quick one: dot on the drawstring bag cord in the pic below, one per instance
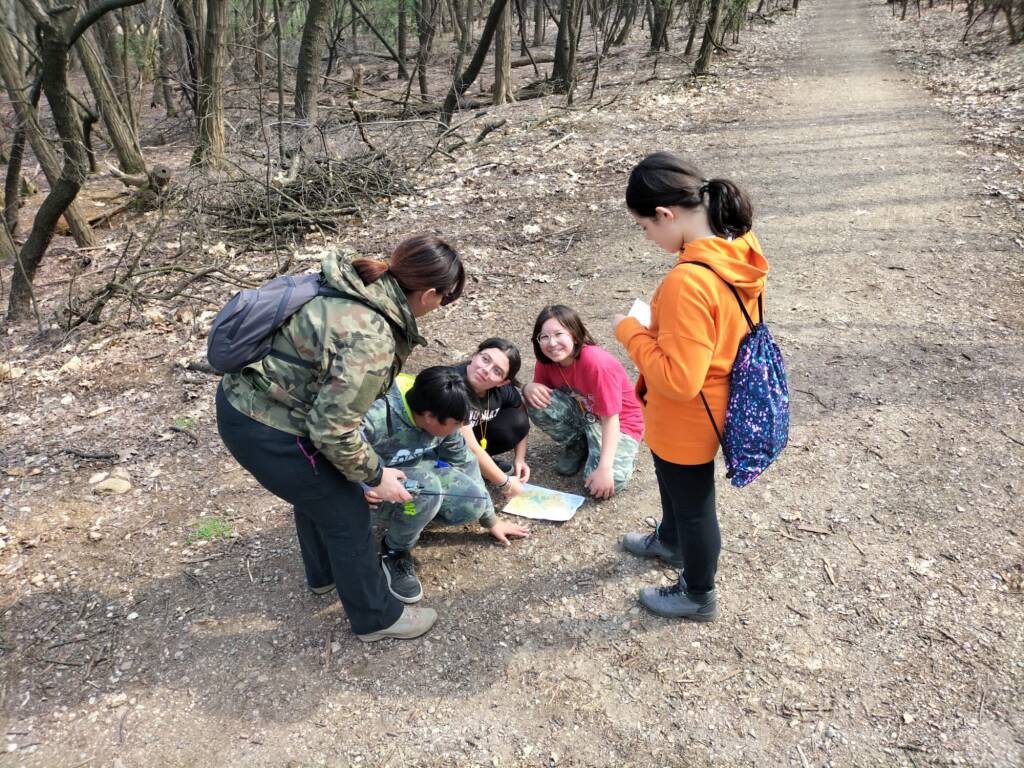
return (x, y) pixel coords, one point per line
(310, 457)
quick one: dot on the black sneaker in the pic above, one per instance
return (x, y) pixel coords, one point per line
(400, 574)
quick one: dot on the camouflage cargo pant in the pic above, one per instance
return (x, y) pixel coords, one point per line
(564, 422)
(405, 522)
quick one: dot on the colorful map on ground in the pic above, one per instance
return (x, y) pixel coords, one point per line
(544, 504)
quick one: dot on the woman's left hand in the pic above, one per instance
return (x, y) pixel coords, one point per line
(501, 530)
(601, 482)
(616, 319)
(521, 470)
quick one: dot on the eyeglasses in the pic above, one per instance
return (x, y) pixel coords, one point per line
(552, 338)
(491, 368)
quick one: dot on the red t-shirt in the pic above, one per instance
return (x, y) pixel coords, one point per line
(598, 382)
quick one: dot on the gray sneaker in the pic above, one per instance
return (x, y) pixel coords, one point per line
(400, 574)
(412, 623)
(322, 590)
(649, 545)
(572, 458)
(676, 602)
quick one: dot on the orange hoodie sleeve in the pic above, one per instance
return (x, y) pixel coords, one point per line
(675, 361)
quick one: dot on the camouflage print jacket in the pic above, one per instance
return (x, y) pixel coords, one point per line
(356, 357)
(400, 443)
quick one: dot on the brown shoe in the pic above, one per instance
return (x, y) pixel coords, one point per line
(412, 623)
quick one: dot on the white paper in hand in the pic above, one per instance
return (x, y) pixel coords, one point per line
(641, 310)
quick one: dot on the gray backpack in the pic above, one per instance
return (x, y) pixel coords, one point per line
(243, 331)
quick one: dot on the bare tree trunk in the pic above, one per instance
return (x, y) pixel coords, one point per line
(57, 31)
(8, 250)
(463, 80)
(707, 46)
(369, 25)
(539, 20)
(696, 9)
(307, 71)
(563, 70)
(164, 71)
(48, 160)
(259, 23)
(503, 58)
(105, 31)
(209, 150)
(403, 38)
(661, 16)
(119, 130)
(186, 16)
(425, 11)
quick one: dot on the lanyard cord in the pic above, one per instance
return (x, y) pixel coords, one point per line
(483, 423)
(570, 388)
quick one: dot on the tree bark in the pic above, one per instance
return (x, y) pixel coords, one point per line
(164, 71)
(119, 130)
(307, 71)
(57, 29)
(209, 150)
(661, 16)
(403, 37)
(48, 160)
(425, 11)
(463, 80)
(696, 9)
(563, 71)
(186, 16)
(503, 58)
(707, 45)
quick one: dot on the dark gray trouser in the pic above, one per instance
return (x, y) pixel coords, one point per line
(331, 516)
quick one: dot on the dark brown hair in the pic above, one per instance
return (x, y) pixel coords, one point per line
(515, 360)
(569, 320)
(663, 179)
(419, 263)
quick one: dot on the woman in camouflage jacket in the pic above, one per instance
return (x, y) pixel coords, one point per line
(292, 419)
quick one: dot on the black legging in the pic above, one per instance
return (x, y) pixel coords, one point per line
(689, 524)
(504, 431)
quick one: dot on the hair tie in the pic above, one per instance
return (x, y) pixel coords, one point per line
(387, 266)
(705, 189)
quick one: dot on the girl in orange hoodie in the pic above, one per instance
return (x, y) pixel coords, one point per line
(696, 327)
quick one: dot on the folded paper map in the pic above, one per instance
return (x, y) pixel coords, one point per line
(544, 504)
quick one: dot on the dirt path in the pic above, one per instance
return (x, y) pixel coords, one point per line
(870, 583)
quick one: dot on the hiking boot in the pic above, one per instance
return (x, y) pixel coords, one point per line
(322, 590)
(400, 574)
(649, 545)
(572, 458)
(412, 623)
(676, 602)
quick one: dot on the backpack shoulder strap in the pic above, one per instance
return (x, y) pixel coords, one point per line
(739, 300)
(334, 293)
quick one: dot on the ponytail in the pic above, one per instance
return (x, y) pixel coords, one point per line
(729, 211)
(663, 179)
(419, 263)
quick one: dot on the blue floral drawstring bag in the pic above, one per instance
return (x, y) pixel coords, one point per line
(757, 416)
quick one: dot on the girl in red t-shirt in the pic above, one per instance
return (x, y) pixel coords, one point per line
(582, 398)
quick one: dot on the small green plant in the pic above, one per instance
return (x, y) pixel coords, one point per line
(183, 422)
(211, 528)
